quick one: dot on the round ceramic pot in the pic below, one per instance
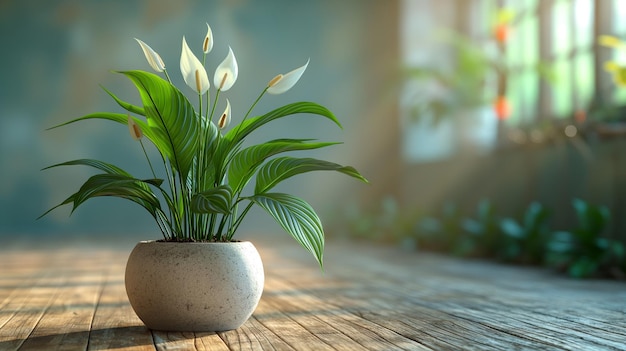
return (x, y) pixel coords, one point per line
(194, 286)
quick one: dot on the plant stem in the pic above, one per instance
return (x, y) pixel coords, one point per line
(237, 222)
(249, 110)
(217, 96)
(167, 76)
(172, 205)
(147, 158)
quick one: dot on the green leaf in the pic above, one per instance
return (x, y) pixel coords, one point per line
(171, 117)
(125, 105)
(103, 166)
(213, 154)
(115, 117)
(117, 185)
(298, 218)
(279, 169)
(215, 200)
(239, 132)
(592, 219)
(247, 161)
(111, 170)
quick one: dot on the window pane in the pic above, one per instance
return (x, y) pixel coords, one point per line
(562, 96)
(584, 79)
(619, 14)
(583, 17)
(530, 82)
(561, 28)
(529, 25)
(514, 96)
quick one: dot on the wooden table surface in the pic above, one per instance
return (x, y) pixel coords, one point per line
(369, 298)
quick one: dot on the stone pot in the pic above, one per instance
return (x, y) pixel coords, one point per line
(183, 286)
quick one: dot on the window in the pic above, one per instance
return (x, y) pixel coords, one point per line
(572, 35)
(549, 59)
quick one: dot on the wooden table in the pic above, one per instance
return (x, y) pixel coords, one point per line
(369, 298)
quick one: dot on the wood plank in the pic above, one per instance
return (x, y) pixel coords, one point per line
(188, 341)
(73, 309)
(288, 330)
(115, 325)
(209, 341)
(329, 320)
(20, 315)
(399, 298)
(254, 335)
(433, 328)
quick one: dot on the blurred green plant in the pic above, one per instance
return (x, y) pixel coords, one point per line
(581, 252)
(485, 238)
(467, 83)
(584, 251)
(386, 222)
(456, 88)
(526, 241)
(441, 233)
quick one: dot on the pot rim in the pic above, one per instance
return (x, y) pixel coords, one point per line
(161, 241)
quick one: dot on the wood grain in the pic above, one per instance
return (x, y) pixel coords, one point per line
(369, 298)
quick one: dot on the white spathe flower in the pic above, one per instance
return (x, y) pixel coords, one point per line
(193, 71)
(153, 58)
(226, 73)
(283, 82)
(207, 44)
(133, 128)
(224, 120)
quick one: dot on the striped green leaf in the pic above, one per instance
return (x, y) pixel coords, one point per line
(279, 169)
(247, 161)
(298, 218)
(115, 117)
(239, 132)
(103, 166)
(214, 200)
(171, 117)
(125, 105)
(117, 185)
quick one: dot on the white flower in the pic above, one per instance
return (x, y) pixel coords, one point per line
(207, 44)
(133, 128)
(224, 120)
(226, 73)
(193, 71)
(153, 58)
(281, 83)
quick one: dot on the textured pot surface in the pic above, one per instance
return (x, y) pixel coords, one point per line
(194, 286)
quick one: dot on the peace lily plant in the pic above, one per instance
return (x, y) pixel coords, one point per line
(203, 195)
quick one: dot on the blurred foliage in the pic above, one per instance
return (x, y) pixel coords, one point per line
(442, 233)
(459, 87)
(468, 83)
(581, 252)
(527, 239)
(485, 231)
(386, 222)
(584, 251)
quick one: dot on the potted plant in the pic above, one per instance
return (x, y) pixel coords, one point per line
(198, 278)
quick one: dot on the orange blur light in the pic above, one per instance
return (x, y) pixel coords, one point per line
(502, 108)
(501, 32)
(580, 116)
